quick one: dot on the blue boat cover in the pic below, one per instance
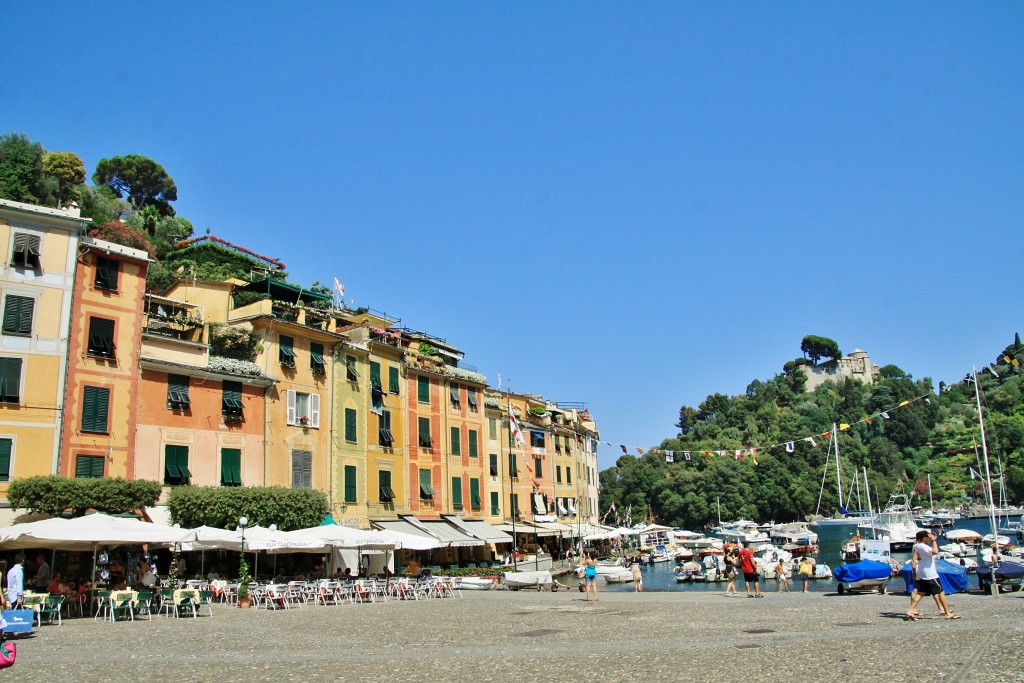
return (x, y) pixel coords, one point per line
(953, 577)
(859, 571)
(1005, 571)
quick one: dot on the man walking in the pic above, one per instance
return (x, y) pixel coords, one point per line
(16, 581)
(749, 570)
(926, 577)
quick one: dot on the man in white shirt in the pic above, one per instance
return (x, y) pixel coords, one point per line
(926, 576)
(16, 580)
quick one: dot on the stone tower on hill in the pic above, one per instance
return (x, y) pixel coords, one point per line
(855, 365)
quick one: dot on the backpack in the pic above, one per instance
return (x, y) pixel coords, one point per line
(806, 569)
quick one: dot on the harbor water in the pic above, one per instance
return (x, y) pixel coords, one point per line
(661, 576)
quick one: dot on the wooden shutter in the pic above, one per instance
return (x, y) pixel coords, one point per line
(350, 425)
(10, 380)
(423, 390)
(457, 492)
(95, 403)
(393, 380)
(230, 467)
(495, 503)
(18, 314)
(350, 484)
(5, 459)
(290, 403)
(474, 493)
(456, 441)
(307, 470)
(375, 374)
(314, 410)
(473, 452)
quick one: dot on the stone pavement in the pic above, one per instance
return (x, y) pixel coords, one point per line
(529, 636)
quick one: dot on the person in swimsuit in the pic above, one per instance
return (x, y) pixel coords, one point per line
(590, 576)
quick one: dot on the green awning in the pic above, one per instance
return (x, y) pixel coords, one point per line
(285, 291)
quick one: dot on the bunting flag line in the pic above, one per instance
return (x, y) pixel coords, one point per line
(625, 450)
(513, 426)
(790, 446)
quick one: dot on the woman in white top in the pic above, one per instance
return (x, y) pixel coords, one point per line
(926, 577)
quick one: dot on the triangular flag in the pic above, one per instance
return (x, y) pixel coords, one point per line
(811, 439)
(513, 426)
(904, 403)
(885, 415)
(826, 435)
(624, 449)
(669, 457)
(868, 420)
(928, 401)
(754, 456)
(790, 446)
(843, 426)
(721, 454)
(639, 450)
(739, 455)
(686, 454)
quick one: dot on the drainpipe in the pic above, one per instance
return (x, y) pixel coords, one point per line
(59, 413)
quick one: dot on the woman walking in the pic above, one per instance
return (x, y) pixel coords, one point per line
(730, 572)
(590, 576)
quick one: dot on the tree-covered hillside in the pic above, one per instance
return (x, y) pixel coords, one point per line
(928, 434)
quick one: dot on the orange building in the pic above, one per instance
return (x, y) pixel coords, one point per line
(201, 417)
(102, 391)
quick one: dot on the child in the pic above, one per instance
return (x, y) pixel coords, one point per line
(781, 579)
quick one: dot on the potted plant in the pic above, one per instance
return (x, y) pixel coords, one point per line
(244, 598)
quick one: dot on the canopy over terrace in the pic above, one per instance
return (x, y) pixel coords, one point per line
(346, 537)
(85, 533)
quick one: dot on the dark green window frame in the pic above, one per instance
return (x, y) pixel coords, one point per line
(25, 252)
(558, 474)
(513, 471)
(424, 433)
(177, 392)
(474, 493)
(6, 448)
(286, 351)
(474, 445)
(350, 369)
(384, 436)
(422, 389)
(90, 466)
(538, 468)
(107, 271)
(568, 474)
(494, 465)
(101, 338)
(385, 494)
(375, 375)
(457, 493)
(316, 358)
(231, 400)
(18, 312)
(350, 425)
(454, 392)
(95, 407)
(426, 487)
(495, 504)
(176, 472)
(10, 380)
(471, 399)
(231, 467)
(393, 383)
(456, 441)
(350, 484)
(514, 504)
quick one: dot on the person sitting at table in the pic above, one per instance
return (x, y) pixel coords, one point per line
(413, 568)
(317, 573)
(55, 581)
(149, 578)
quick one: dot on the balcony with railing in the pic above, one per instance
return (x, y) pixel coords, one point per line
(173, 319)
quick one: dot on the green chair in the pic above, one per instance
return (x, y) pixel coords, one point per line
(167, 602)
(51, 607)
(102, 605)
(471, 565)
(123, 609)
(144, 606)
(206, 598)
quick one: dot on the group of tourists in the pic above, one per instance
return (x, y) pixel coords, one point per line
(741, 561)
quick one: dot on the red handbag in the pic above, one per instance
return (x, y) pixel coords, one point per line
(8, 652)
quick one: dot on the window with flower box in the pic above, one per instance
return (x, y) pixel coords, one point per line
(303, 410)
(286, 351)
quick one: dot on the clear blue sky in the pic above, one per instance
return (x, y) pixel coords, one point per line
(627, 204)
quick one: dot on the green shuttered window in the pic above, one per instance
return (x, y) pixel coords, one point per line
(456, 441)
(18, 312)
(426, 489)
(375, 374)
(95, 404)
(350, 425)
(457, 492)
(10, 380)
(106, 273)
(350, 484)
(89, 466)
(422, 389)
(6, 447)
(474, 493)
(101, 338)
(176, 470)
(393, 380)
(230, 467)
(474, 448)
(424, 433)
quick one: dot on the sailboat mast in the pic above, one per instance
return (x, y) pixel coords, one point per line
(839, 471)
(867, 490)
(988, 478)
(931, 504)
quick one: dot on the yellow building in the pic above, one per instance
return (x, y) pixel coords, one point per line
(39, 247)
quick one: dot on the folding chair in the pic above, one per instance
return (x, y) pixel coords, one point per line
(167, 605)
(144, 605)
(186, 604)
(276, 597)
(206, 598)
(102, 605)
(123, 608)
(52, 606)
(362, 592)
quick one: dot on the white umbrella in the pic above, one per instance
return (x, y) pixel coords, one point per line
(83, 533)
(345, 537)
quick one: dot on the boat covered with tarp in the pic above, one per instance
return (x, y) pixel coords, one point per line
(953, 577)
(863, 575)
(1008, 574)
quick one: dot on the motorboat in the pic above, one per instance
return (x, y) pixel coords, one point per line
(796, 538)
(535, 579)
(690, 572)
(742, 531)
(1007, 573)
(851, 549)
(659, 554)
(623, 575)
(684, 555)
(476, 583)
(862, 576)
(894, 524)
(693, 539)
(934, 519)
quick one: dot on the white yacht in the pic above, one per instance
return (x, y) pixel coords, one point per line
(894, 524)
(742, 531)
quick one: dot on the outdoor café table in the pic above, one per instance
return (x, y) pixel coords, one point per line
(181, 594)
(34, 602)
(118, 600)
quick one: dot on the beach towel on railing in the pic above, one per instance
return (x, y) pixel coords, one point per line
(953, 577)
(862, 571)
